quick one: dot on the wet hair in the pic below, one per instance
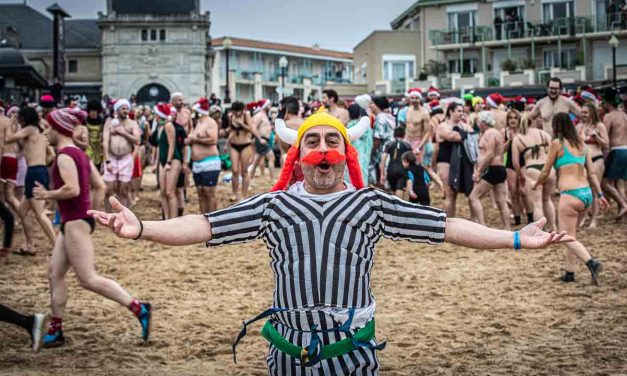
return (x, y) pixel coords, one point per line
(237, 106)
(291, 105)
(564, 129)
(332, 94)
(399, 132)
(594, 113)
(555, 79)
(409, 156)
(29, 116)
(452, 107)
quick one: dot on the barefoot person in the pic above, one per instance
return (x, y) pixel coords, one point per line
(170, 160)
(264, 145)
(596, 139)
(319, 304)
(518, 195)
(35, 150)
(205, 157)
(529, 153)
(182, 121)
(9, 162)
(616, 165)
(490, 173)
(572, 161)
(71, 176)
(241, 134)
(34, 324)
(120, 137)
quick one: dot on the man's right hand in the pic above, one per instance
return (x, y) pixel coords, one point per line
(122, 222)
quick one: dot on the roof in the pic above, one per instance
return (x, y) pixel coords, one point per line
(250, 43)
(155, 7)
(422, 4)
(14, 64)
(34, 29)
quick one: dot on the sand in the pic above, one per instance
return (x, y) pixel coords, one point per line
(444, 310)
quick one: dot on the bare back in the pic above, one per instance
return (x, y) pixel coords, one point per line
(491, 143)
(500, 119)
(341, 114)
(616, 124)
(35, 146)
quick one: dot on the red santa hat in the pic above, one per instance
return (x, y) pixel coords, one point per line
(251, 106)
(63, 121)
(433, 92)
(531, 100)
(494, 99)
(589, 94)
(520, 98)
(202, 106)
(164, 110)
(414, 93)
(435, 105)
(262, 105)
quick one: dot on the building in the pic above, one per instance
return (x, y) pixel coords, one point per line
(30, 32)
(255, 71)
(469, 44)
(387, 60)
(154, 48)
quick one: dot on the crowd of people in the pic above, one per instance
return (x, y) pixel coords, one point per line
(64, 162)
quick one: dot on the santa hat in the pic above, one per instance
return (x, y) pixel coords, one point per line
(414, 93)
(121, 102)
(520, 99)
(164, 110)
(262, 105)
(63, 121)
(494, 99)
(293, 137)
(531, 100)
(579, 99)
(435, 105)
(251, 106)
(47, 101)
(433, 92)
(202, 106)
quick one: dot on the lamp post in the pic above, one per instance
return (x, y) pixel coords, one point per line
(613, 42)
(58, 50)
(283, 64)
(227, 43)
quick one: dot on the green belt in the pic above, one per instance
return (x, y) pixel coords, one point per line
(338, 348)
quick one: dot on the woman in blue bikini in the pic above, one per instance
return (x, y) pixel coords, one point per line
(575, 172)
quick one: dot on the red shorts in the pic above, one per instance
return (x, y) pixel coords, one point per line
(8, 168)
(137, 167)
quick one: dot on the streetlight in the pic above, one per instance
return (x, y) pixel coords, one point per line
(227, 43)
(283, 65)
(613, 42)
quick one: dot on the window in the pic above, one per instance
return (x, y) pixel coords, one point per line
(153, 34)
(558, 10)
(162, 35)
(566, 60)
(509, 22)
(461, 24)
(144, 35)
(470, 66)
(72, 66)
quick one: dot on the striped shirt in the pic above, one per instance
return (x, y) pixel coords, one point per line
(322, 248)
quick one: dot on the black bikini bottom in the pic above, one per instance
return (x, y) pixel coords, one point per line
(240, 147)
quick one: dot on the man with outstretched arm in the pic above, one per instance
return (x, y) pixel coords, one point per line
(323, 231)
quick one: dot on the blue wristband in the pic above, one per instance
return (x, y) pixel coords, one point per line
(517, 245)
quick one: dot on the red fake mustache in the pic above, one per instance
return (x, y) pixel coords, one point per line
(331, 157)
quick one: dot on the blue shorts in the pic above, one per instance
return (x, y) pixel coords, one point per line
(35, 174)
(207, 171)
(616, 164)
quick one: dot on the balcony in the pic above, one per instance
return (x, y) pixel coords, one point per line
(560, 27)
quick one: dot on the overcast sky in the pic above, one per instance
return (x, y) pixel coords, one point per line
(333, 24)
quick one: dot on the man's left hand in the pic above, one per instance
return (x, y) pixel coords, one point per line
(533, 237)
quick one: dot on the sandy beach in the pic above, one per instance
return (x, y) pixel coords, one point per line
(444, 310)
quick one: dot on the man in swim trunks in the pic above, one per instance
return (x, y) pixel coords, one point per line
(264, 145)
(616, 163)
(9, 163)
(120, 136)
(205, 156)
(490, 173)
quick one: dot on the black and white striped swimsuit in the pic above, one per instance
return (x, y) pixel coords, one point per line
(322, 250)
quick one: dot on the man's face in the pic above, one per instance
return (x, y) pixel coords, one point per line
(326, 100)
(414, 101)
(123, 112)
(52, 136)
(554, 89)
(177, 101)
(322, 139)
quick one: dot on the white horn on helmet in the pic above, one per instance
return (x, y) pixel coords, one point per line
(358, 130)
(286, 134)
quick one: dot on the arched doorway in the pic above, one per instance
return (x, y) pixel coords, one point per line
(152, 94)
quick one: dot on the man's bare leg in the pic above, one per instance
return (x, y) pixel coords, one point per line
(270, 156)
(476, 208)
(253, 167)
(59, 265)
(500, 196)
(27, 226)
(211, 199)
(611, 191)
(39, 208)
(124, 193)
